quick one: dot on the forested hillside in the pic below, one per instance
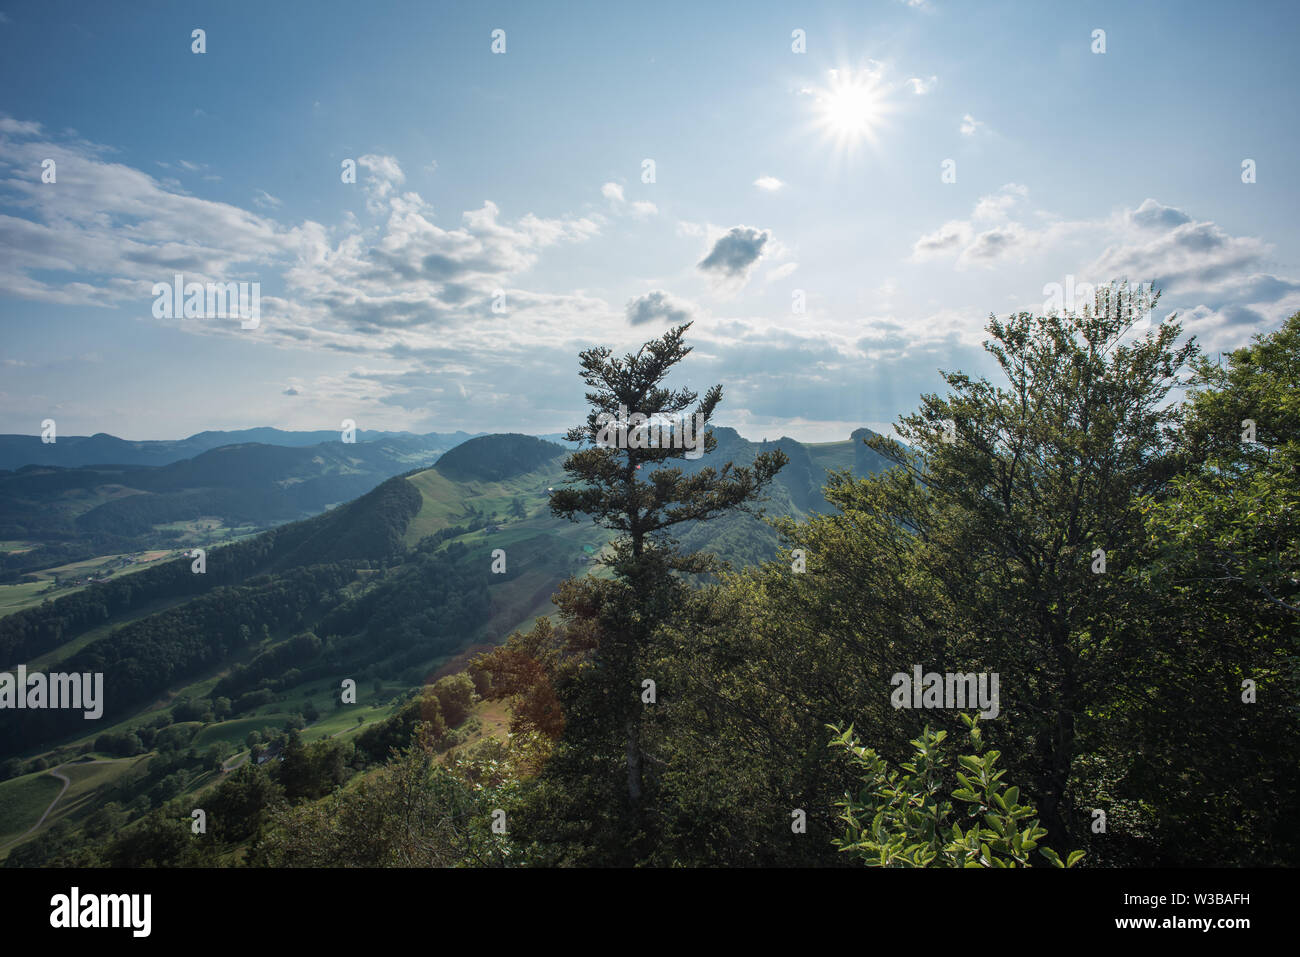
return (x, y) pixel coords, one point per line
(386, 591)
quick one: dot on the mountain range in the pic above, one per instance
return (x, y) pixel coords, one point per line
(53, 515)
(101, 448)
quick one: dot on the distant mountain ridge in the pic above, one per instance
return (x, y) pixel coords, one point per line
(56, 515)
(67, 514)
(71, 451)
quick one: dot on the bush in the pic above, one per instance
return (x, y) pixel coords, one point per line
(455, 694)
(904, 820)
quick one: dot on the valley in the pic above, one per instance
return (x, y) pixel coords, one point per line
(394, 589)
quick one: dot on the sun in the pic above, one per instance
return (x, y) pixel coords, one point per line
(851, 108)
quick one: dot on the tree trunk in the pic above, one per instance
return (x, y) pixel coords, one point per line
(633, 763)
(1058, 756)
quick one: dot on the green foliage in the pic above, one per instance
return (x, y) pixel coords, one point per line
(423, 711)
(905, 818)
(122, 744)
(269, 664)
(456, 696)
(240, 804)
(1231, 523)
(413, 812)
(1219, 568)
(1120, 690)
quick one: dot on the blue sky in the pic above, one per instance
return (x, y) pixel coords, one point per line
(522, 173)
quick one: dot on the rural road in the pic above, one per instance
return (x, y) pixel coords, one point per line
(67, 783)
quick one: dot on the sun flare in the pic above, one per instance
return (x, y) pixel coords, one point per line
(851, 108)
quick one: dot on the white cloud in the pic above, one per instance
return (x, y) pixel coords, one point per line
(999, 238)
(768, 183)
(266, 200)
(1197, 254)
(19, 127)
(640, 209)
(970, 126)
(781, 272)
(951, 237)
(996, 206)
(922, 85)
(384, 176)
(661, 307)
(1153, 215)
(70, 246)
(405, 284)
(996, 243)
(735, 252)
(385, 170)
(1215, 280)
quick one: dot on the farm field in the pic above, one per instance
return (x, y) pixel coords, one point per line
(75, 576)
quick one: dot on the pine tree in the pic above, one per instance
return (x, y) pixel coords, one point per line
(624, 483)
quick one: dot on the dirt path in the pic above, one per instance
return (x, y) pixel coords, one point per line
(238, 760)
(67, 783)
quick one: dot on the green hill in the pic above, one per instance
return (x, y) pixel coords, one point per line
(494, 457)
